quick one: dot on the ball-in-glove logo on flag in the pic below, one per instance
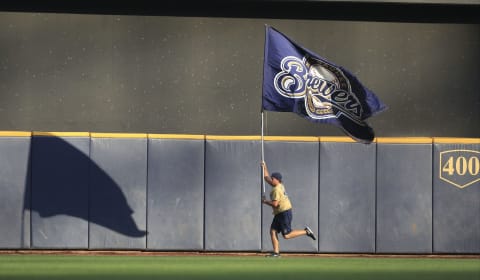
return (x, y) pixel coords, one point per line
(298, 80)
(321, 86)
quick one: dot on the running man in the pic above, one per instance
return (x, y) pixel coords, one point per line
(282, 211)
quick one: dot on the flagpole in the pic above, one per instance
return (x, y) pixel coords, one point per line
(262, 111)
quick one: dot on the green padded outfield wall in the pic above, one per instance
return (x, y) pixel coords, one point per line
(404, 195)
(296, 158)
(118, 191)
(397, 195)
(60, 181)
(347, 195)
(232, 194)
(175, 192)
(456, 196)
(15, 189)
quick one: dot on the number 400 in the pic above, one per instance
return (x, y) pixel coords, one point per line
(461, 166)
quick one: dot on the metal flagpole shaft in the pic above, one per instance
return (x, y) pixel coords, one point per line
(263, 79)
(263, 158)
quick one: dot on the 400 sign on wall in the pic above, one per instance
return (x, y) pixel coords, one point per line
(460, 168)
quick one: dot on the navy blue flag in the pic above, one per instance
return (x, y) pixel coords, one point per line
(297, 80)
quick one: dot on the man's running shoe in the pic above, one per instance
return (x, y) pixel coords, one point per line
(310, 233)
(273, 255)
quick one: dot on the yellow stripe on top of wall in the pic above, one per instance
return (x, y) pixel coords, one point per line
(405, 140)
(292, 138)
(343, 139)
(15, 133)
(235, 138)
(177, 136)
(118, 135)
(445, 140)
(61, 134)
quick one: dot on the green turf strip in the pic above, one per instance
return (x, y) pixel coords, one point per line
(233, 267)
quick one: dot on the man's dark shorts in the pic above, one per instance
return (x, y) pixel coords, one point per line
(282, 222)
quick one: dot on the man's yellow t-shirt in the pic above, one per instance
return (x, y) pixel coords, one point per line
(278, 193)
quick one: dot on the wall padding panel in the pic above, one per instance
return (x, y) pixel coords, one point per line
(456, 198)
(347, 197)
(175, 194)
(15, 192)
(118, 193)
(232, 195)
(298, 164)
(404, 198)
(60, 178)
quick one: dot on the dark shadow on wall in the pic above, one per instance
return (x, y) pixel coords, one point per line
(65, 181)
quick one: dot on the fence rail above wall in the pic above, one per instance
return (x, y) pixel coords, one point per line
(82, 190)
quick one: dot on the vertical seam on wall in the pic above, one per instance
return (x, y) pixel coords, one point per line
(146, 194)
(30, 184)
(204, 190)
(433, 180)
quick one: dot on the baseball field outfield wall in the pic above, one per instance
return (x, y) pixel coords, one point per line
(118, 191)
(176, 177)
(202, 193)
(297, 160)
(60, 168)
(347, 196)
(456, 194)
(232, 194)
(15, 189)
(404, 195)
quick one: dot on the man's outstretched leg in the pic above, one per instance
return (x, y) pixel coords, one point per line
(300, 232)
(295, 233)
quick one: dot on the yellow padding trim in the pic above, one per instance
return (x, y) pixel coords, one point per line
(61, 134)
(292, 138)
(238, 138)
(445, 140)
(385, 140)
(338, 139)
(15, 134)
(177, 136)
(405, 140)
(118, 135)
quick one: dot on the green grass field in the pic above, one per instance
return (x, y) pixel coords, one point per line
(233, 267)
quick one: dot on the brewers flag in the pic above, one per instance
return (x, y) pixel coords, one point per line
(297, 80)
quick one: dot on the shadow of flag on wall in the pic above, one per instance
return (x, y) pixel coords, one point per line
(297, 80)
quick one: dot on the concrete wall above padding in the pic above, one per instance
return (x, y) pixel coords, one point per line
(60, 179)
(175, 194)
(297, 161)
(232, 195)
(404, 197)
(456, 195)
(347, 197)
(15, 191)
(184, 69)
(118, 192)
